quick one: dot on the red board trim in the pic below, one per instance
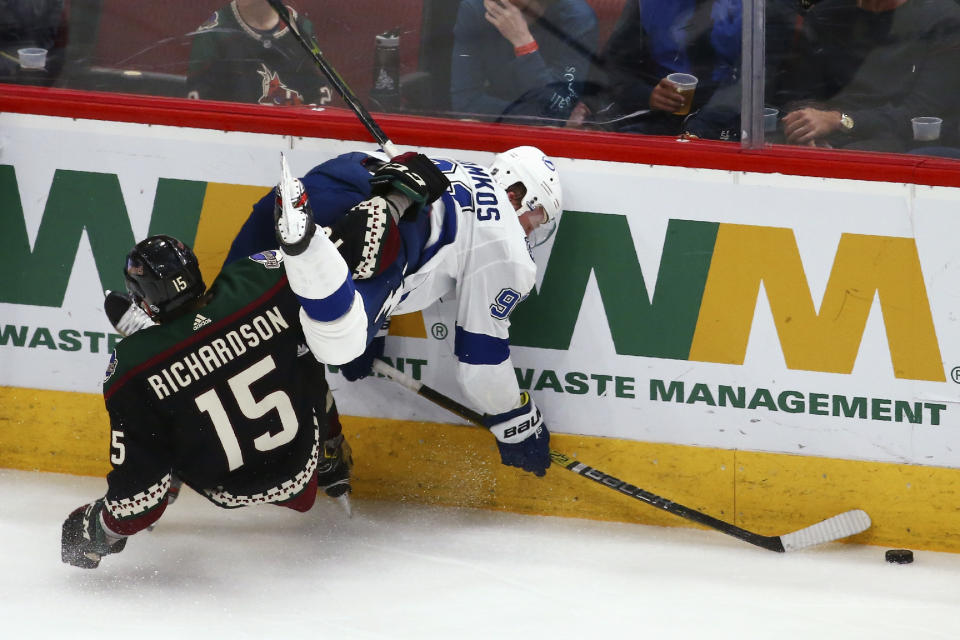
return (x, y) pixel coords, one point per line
(341, 124)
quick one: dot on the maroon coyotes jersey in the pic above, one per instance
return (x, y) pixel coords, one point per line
(226, 397)
(230, 60)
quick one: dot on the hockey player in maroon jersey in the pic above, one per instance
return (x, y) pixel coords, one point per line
(221, 393)
(364, 254)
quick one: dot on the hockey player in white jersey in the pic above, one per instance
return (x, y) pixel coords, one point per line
(421, 237)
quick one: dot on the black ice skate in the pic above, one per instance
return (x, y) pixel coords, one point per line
(333, 471)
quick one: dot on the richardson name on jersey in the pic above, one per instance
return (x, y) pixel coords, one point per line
(217, 352)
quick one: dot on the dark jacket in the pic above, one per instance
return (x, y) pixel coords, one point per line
(489, 81)
(882, 69)
(654, 38)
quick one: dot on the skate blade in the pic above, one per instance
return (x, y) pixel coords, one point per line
(344, 501)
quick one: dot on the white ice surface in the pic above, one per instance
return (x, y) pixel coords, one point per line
(410, 571)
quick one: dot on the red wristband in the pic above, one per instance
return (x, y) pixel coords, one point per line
(523, 50)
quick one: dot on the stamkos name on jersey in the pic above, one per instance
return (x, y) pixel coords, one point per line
(484, 191)
(217, 352)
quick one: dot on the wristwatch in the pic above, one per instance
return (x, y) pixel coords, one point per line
(846, 123)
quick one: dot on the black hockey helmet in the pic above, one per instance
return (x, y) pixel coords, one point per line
(163, 273)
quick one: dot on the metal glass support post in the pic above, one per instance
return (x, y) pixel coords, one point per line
(753, 73)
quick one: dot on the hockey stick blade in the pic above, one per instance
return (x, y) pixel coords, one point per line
(834, 528)
(839, 526)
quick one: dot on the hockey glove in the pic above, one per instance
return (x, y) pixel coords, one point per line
(522, 437)
(126, 316)
(362, 366)
(83, 540)
(333, 469)
(415, 176)
(367, 237)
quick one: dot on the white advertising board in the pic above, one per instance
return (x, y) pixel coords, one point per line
(750, 311)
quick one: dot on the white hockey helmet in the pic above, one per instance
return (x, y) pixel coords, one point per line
(537, 173)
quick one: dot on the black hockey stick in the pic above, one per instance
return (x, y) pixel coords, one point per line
(310, 45)
(839, 526)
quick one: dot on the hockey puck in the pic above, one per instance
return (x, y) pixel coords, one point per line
(899, 556)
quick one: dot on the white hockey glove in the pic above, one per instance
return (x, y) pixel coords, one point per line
(126, 316)
(522, 437)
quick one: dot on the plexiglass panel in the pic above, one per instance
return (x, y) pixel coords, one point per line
(875, 75)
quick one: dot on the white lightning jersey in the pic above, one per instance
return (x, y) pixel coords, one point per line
(468, 246)
(487, 268)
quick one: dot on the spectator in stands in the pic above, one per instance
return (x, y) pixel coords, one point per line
(245, 53)
(864, 68)
(629, 91)
(32, 23)
(521, 60)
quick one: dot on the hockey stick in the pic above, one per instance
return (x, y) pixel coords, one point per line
(310, 45)
(839, 526)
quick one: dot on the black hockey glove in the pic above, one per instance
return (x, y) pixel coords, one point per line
(522, 437)
(362, 365)
(83, 541)
(413, 175)
(367, 237)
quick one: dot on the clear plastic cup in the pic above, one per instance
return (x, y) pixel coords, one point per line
(770, 118)
(686, 84)
(32, 57)
(926, 128)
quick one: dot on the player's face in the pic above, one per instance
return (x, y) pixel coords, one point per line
(515, 199)
(530, 220)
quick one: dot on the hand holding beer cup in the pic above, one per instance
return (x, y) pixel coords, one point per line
(665, 97)
(683, 85)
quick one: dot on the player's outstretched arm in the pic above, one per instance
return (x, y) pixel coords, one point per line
(522, 436)
(84, 540)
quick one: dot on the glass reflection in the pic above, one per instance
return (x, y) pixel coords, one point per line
(863, 70)
(875, 75)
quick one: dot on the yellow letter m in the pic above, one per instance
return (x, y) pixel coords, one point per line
(865, 267)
